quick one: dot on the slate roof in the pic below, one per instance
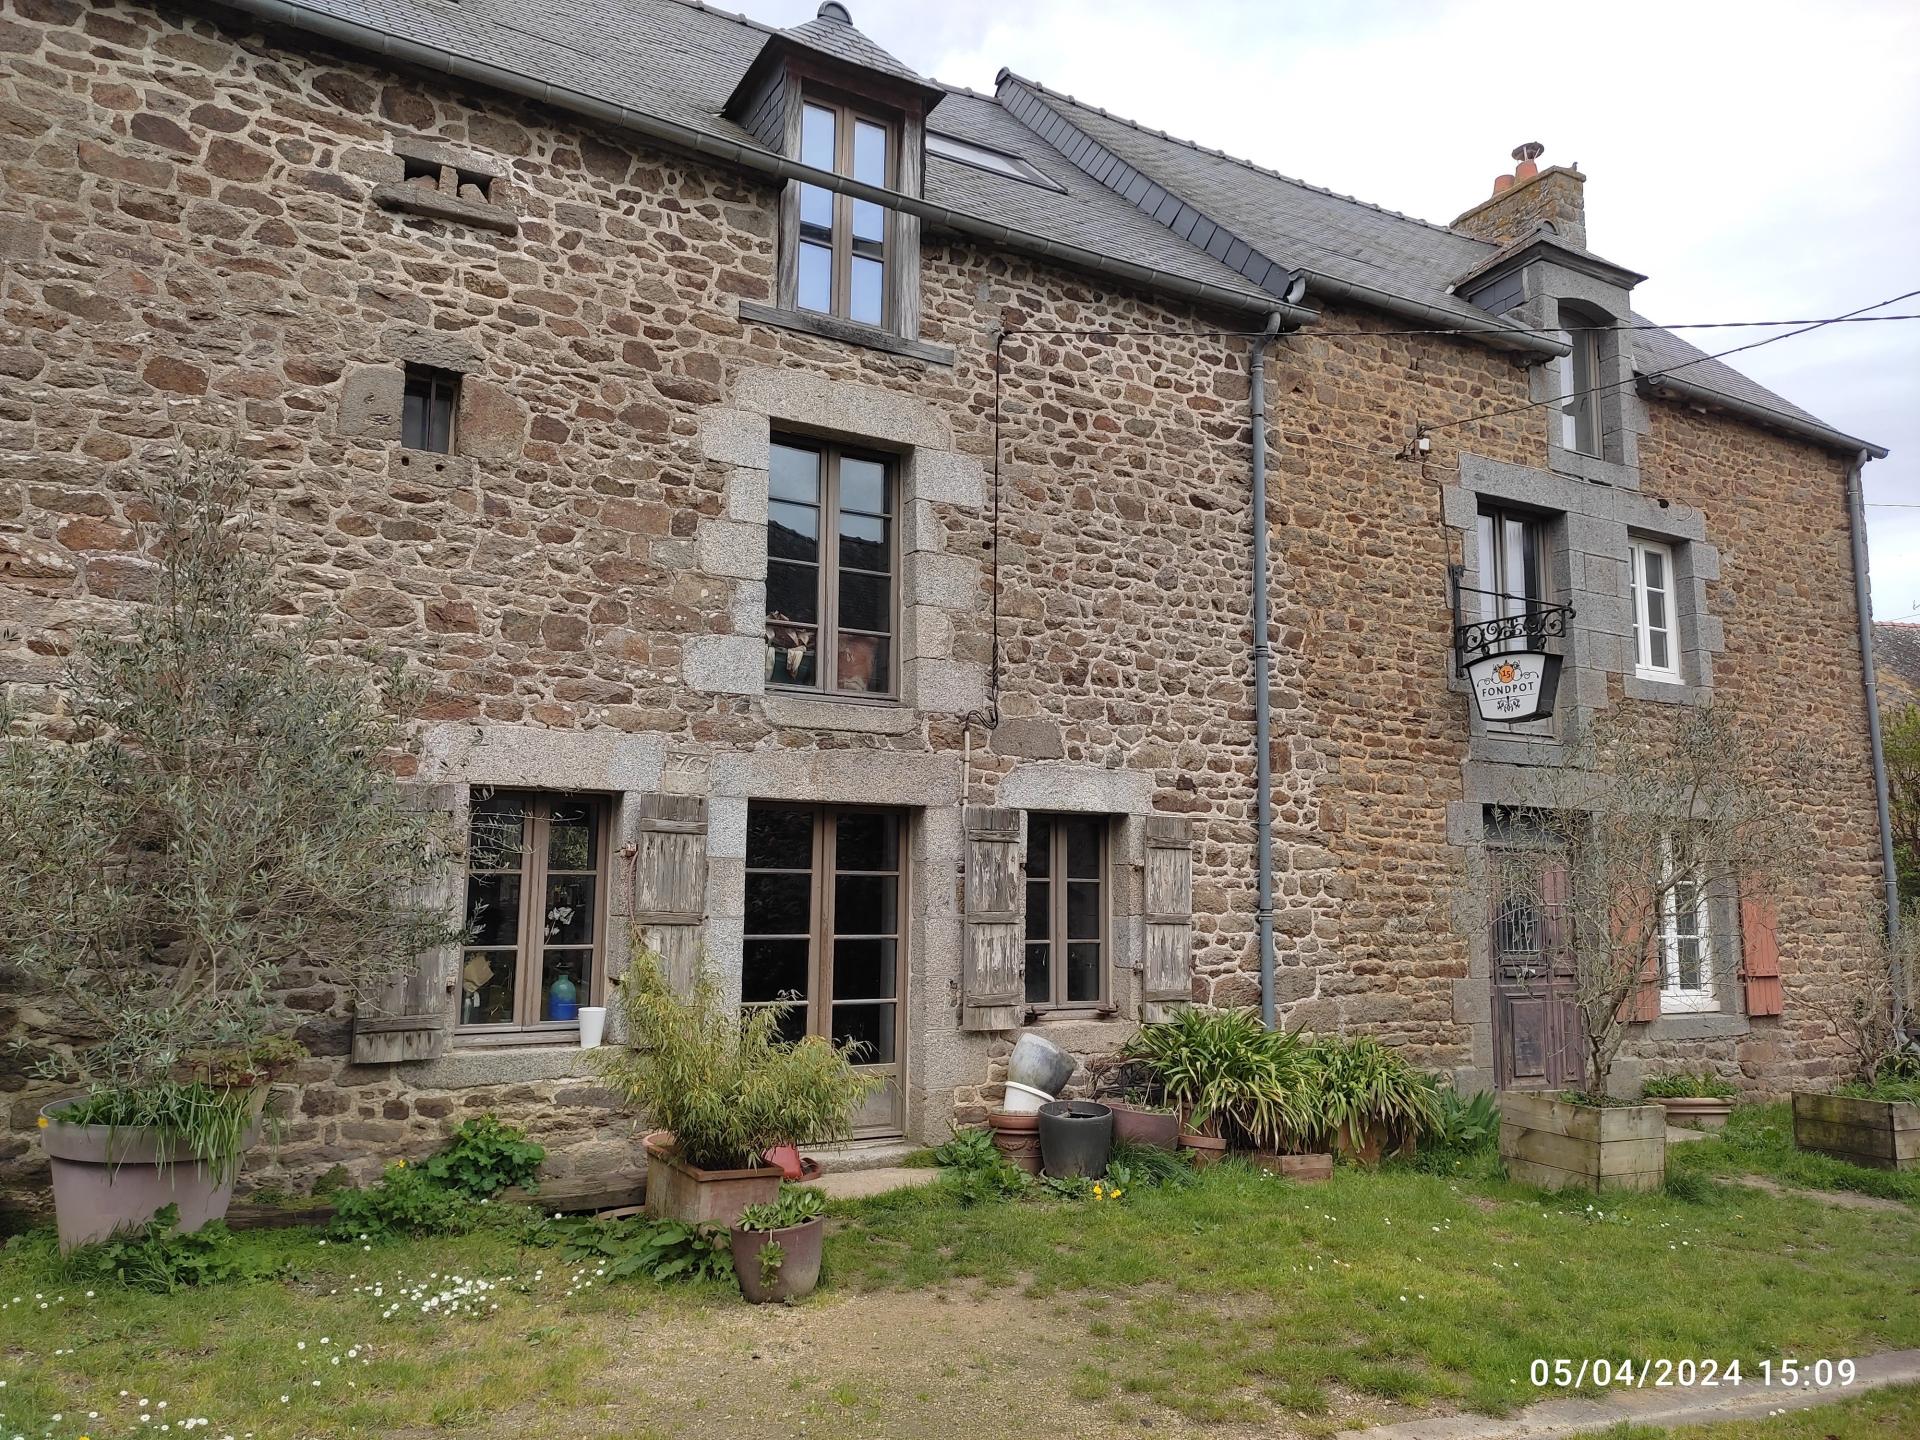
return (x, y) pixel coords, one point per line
(1896, 646)
(679, 60)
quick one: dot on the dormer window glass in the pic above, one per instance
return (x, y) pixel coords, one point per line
(1579, 402)
(843, 258)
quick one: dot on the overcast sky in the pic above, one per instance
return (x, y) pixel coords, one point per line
(1757, 160)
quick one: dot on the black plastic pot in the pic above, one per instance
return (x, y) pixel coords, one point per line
(1075, 1138)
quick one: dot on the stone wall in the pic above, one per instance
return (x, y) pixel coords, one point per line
(195, 249)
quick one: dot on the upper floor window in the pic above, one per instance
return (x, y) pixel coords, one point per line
(429, 403)
(841, 267)
(536, 885)
(1655, 657)
(830, 569)
(1511, 546)
(1579, 380)
(1066, 944)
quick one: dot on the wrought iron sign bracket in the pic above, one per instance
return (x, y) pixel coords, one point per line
(1473, 639)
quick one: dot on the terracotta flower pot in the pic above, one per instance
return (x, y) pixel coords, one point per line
(1159, 1128)
(799, 1268)
(679, 1191)
(1205, 1149)
(1017, 1137)
(109, 1178)
(1696, 1112)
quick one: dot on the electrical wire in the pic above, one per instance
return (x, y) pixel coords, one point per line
(1546, 331)
(1656, 376)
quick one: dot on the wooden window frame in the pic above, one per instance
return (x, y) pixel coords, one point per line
(1675, 998)
(823, 869)
(1580, 393)
(1504, 599)
(826, 665)
(1643, 665)
(1057, 941)
(435, 386)
(528, 942)
(847, 114)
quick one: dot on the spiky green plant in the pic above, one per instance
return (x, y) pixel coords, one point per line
(1236, 1079)
(1364, 1088)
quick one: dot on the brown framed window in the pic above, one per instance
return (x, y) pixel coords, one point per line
(831, 596)
(841, 267)
(429, 403)
(824, 890)
(1067, 929)
(536, 914)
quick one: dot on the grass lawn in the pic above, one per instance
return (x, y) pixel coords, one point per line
(1242, 1305)
(1894, 1411)
(1758, 1140)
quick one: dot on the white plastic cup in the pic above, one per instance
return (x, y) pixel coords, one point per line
(593, 1024)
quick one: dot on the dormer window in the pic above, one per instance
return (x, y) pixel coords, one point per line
(1579, 379)
(842, 260)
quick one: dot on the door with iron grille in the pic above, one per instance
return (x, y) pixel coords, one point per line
(1537, 1032)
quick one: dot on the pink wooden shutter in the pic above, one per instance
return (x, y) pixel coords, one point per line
(1760, 956)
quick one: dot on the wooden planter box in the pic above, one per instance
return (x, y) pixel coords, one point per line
(679, 1191)
(1554, 1143)
(1307, 1168)
(1882, 1134)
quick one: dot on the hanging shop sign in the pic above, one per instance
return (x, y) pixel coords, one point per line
(1513, 678)
(1515, 685)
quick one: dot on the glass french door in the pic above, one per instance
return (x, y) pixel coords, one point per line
(823, 934)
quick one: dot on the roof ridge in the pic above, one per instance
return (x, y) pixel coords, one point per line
(1235, 159)
(738, 19)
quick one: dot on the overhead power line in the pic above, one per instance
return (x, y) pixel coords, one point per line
(1656, 376)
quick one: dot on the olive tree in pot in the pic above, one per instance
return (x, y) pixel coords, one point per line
(204, 819)
(1656, 820)
(721, 1087)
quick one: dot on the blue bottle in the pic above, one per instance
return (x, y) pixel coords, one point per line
(563, 1000)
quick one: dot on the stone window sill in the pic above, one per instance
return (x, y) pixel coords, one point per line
(461, 1069)
(1592, 468)
(831, 327)
(435, 205)
(804, 712)
(1699, 1025)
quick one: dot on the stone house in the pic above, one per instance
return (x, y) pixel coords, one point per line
(821, 501)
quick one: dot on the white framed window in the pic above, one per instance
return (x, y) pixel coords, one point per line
(1656, 656)
(1686, 956)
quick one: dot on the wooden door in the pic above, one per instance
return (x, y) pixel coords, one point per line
(1539, 1041)
(825, 907)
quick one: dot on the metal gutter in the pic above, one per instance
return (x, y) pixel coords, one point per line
(1669, 386)
(748, 157)
(1863, 605)
(1491, 330)
(1262, 667)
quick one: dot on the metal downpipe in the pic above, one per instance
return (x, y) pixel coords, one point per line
(1262, 668)
(1863, 604)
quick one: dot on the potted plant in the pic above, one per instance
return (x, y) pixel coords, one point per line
(1697, 1100)
(1369, 1100)
(721, 1088)
(1141, 1113)
(1234, 1080)
(776, 1245)
(213, 823)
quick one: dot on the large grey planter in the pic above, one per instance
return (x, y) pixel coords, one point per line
(108, 1179)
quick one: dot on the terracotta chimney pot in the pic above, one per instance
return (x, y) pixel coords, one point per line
(1526, 154)
(1502, 184)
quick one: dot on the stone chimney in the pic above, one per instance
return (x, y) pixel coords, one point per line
(1528, 196)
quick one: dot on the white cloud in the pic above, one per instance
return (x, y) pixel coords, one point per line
(1757, 160)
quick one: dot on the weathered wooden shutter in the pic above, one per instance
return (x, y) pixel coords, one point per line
(408, 1018)
(1760, 956)
(1166, 977)
(1643, 1001)
(993, 986)
(669, 881)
